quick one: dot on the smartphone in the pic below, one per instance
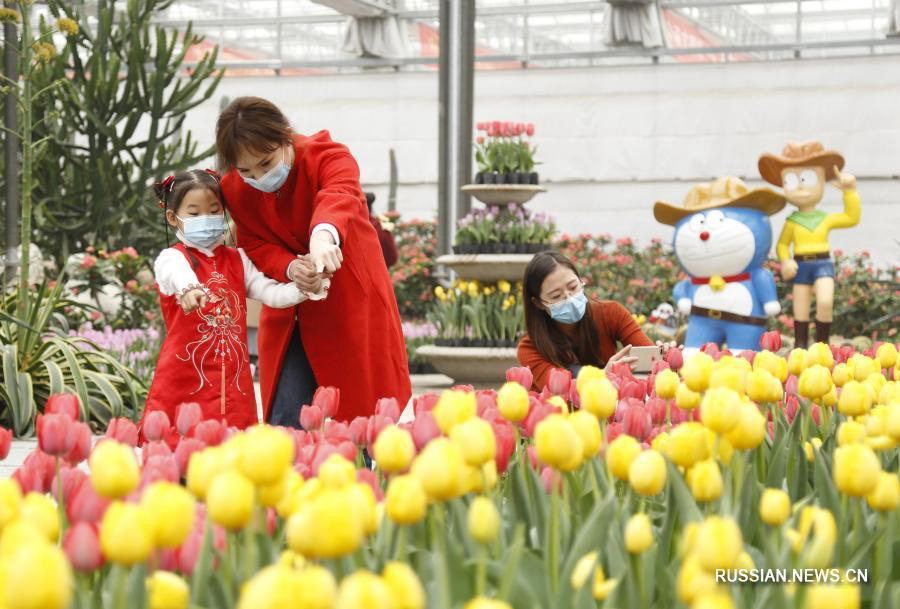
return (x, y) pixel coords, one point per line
(646, 357)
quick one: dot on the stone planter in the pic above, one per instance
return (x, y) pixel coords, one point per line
(503, 194)
(488, 268)
(470, 364)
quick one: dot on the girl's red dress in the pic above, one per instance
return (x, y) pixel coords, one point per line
(353, 339)
(204, 356)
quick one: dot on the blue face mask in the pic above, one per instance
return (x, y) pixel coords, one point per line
(203, 231)
(570, 310)
(273, 179)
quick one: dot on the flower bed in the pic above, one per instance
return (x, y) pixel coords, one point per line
(504, 154)
(469, 314)
(605, 488)
(511, 229)
(137, 349)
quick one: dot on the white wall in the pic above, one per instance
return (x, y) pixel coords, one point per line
(615, 139)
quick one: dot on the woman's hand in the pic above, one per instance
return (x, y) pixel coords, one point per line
(303, 273)
(622, 357)
(192, 299)
(324, 253)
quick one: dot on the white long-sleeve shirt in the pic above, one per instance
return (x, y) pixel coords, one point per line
(174, 275)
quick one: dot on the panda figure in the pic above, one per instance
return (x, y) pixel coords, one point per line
(722, 238)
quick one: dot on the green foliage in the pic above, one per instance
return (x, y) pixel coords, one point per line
(413, 274)
(508, 224)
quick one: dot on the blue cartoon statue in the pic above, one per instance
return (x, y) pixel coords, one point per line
(722, 237)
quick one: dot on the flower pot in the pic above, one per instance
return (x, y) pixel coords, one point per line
(487, 177)
(440, 342)
(521, 248)
(533, 177)
(523, 177)
(509, 177)
(479, 177)
(509, 248)
(497, 177)
(457, 249)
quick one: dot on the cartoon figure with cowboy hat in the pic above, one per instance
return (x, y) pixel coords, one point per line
(802, 170)
(722, 238)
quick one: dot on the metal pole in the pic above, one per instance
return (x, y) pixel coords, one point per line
(464, 123)
(11, 152)
(799, 33)
(444, 217)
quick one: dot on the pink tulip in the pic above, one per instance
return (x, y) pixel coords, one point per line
(550, 478)
(613, 431)
(521, 375)
(636, 422)
(5, 442)
(675, 359)
(160, 468)
(425, 403)
(466, 388)
(311, 417)
(747, 355)
(82, 547)
(485, 400)
(559, 381)
(63, 403)
(425, 429)
(53, 432)
(122, 430)
(529, 129)
(634, 388)
(186, 447)
(358, 427)
(388, 407)
(770, 341)
(155, 449)
(790, 385)
(211, 432)
(368, 476)
(71, 478)
(328, 400)
(505, 439)
(81, 443)
(711, 349)
(536, 414)
(187, 415)
(86, 505)
(657, 409)
(156, 424)
(376, 424)
(337, 432)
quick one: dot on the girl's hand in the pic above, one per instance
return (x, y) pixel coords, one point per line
(303, 273)
(324, 254)
(192, 299)
(622, 357)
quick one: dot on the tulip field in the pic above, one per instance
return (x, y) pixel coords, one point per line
(752, 480)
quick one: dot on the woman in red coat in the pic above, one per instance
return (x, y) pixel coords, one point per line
(292, 195)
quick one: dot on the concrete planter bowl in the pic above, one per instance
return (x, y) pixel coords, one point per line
(487, 268)
(475, 365)
(503, 194)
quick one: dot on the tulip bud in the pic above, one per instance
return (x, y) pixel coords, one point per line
(686, 445)
(521, 375)
(638, 534)
(155, 425)
(856, 469)
(512, 401)
(171, 509)
(80, 448)
(63, 403)
(230, 500)
(328, 400)
(705, 481)
(187, 415)
(588, 429)
(404, 585)
(620, 454)
(82, 547)
(797, 361)
(720, 409)
(311, 418)
(675, 359)
(855, 400)
(599, 397)
(647, 473)
(424, 429)
(885, 497)
(770, 341)
(39, 576)
(696, 372)
(40, 510)
(453, 408)
(475, 437)
(750, 429)
(405, 500)
(53, 432)
(274, 586)
(587, 374)
(126, 533)
(394, 450)
(122, 430)
(559, 380)
(166, 590)
(667, 384)
(363, 589)
(114, 469)
(483, 520)
(719, 543)
(557, 443)
(440, 468)
(774, 507)
(266, 453)
(851, 432)
(5, 442)
(886, 355)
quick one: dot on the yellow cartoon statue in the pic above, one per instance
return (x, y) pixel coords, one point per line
(802, 170)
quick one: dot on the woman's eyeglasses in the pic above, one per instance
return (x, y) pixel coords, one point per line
(566, 295)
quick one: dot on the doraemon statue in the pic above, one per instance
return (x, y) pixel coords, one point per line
(722, 238)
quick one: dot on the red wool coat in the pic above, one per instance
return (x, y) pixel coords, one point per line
(353, 339)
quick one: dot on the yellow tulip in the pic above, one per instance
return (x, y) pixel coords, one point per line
(720, 409)
(638, 534)
(820, 354)
(841, 374)
(661, 443)
(166, 590)
(696, 371)
(729, 376)
(620, 454)
(851, 432)
(38, 576)
(602, 586)
(482, 602)
(453, 408)
(587, 374)
(475, 437)
(265, 454)
(404, 585)
(685, 398)
(303, 493)
(361, 496)
(483, 520)
(41, 511)
(797, 361)
(599, 397)
(18, 534)
(126, 533)
(694, 581)
(337, 472)
(364, 590)
(587, 427)
(10, 501)
(814, 382)
(687, 444)
(771, 363)
(405, 500)
(274, 587)
(774, 507)
(330, 526)
(863, 366)
(856, 469)
(114, 469)
(830, 399)
(583, 569)
(317, 588)
(667, 383)
(705, 481)
(202, 468)
(833, 596)
(647, 473)
(889, 392)
(719, 543)
(886, 355)
(171, 510)
(808, 448)
(440, 468)
(270, 495)
(885, 497)
(394, 449)
(480, 479)
(718, 600)
(558, 445)
(759, 385)
(512, 400)
(230, 500)
(750, 430)
(892, 423)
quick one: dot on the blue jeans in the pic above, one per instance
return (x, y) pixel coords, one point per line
(809, 272)
(296, 385)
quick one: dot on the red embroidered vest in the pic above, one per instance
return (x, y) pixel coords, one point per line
(204, 357)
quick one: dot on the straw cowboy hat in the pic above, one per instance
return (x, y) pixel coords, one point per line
(799, 154)
(723, 192)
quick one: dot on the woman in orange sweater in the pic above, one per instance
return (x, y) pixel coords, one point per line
(565, 328)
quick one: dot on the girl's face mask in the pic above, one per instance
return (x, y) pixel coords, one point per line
(273, 179)
(570, 310)
(203, 231)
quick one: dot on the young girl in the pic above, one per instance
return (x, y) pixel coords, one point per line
(203, 290)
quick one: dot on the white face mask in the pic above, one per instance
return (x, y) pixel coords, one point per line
(273, 179)
(203, 231)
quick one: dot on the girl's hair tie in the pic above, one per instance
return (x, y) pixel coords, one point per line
(214, 174)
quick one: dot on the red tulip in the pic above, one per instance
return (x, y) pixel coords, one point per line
(634, 388)
(425, 403)
(572, 396)
(167, 559)
(123, 430)
(63, 403)
(388, 407)
(5, 442)
(358, 427)
(86, 505)
(790, 385)
(505, 438)
(529, 129)
(376, 424)
(53, 432)
(486, 401)
(659, 366)
(496, 126)
(636, 422)
(521, 375)
(211, 432)
(549, 477)
(368, 476)
(747, 355)
(816, 414)
(711, 349)
(81, 443)
(328, 400)
(791, 405)
(657, 409)
(186, 448)
(156, 424)
(559, 381)
(82, 547)
(36, 472)
(425, 429)
(71, 478)
(613, 431)
(466, 388)
(771, 341)
(675, 359)
(311, 417)
(187, 415)
(537, 412)
(155, 449)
